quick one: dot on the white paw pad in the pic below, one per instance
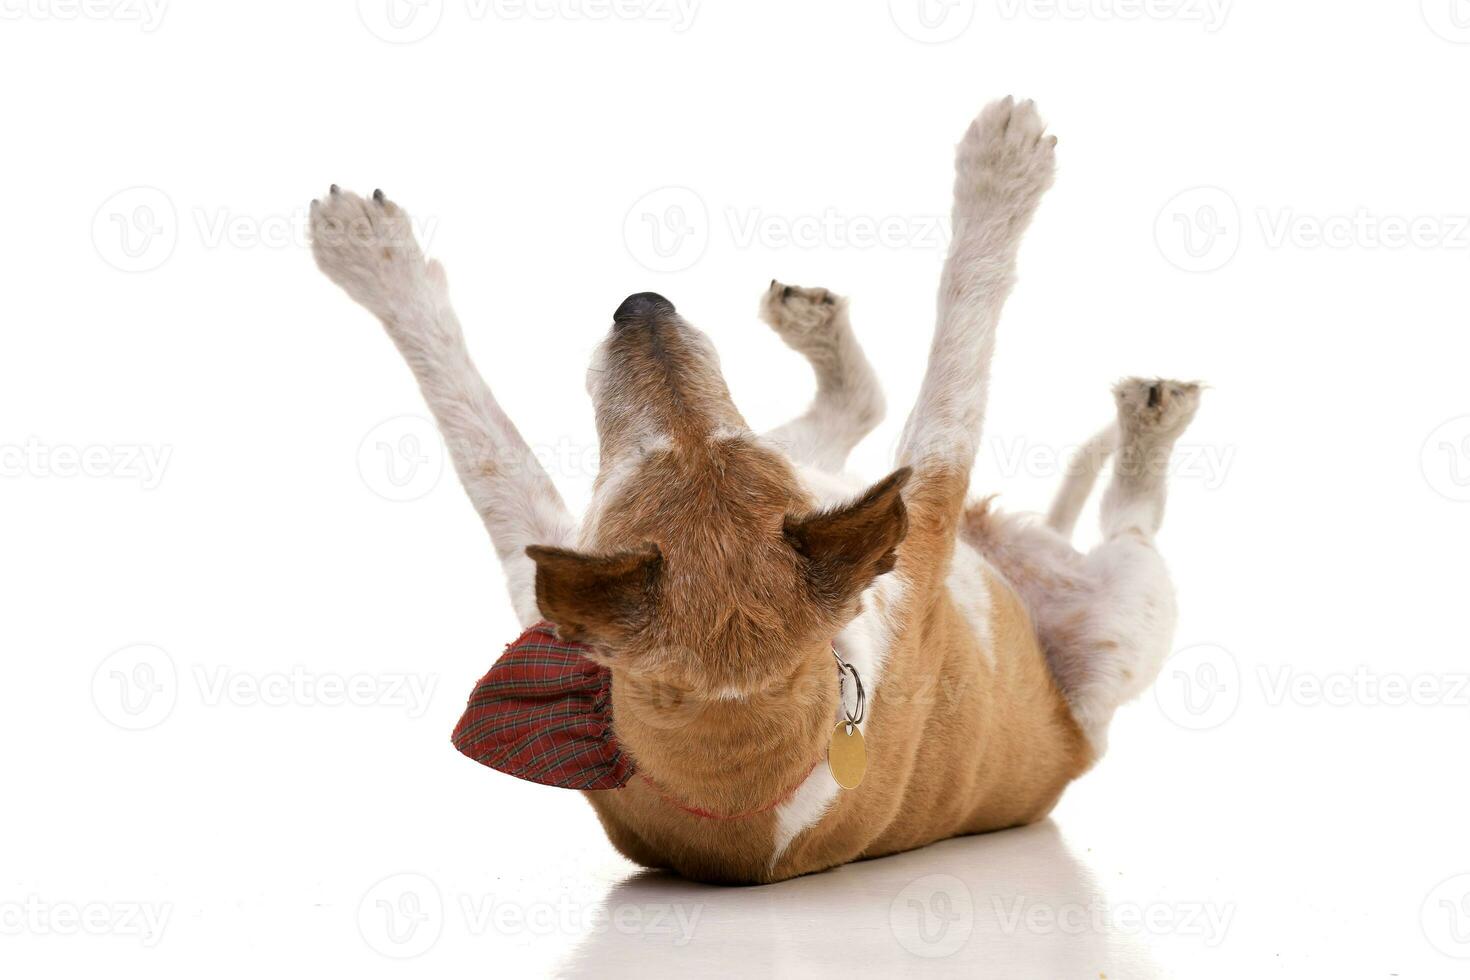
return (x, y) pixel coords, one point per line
(366, 246)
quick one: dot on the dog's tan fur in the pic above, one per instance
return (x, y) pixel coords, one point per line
(713, 577)
(958, 747)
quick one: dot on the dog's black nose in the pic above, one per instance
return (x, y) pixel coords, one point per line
(641, 307)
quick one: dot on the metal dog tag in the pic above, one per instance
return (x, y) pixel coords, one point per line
(846, 757)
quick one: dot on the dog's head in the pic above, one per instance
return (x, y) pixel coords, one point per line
(705, 563)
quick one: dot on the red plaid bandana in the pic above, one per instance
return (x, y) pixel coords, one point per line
(543, 714)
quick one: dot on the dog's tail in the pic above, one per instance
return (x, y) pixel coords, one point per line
(1081, 476)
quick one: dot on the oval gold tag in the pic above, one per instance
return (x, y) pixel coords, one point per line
(846, 757)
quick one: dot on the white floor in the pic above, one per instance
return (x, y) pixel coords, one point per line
(1220, 852)
(1170, 861)
(1188, 854)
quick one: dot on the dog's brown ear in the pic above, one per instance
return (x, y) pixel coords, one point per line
(845, 548)
(595, 599)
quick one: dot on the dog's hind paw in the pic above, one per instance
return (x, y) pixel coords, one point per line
(804, 318)
(367, 246)
(1154, 409)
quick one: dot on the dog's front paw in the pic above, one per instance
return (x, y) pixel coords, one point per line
(367, 247)
(804, 318)
(1004, 164)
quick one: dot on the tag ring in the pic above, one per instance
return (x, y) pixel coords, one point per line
(844, 669)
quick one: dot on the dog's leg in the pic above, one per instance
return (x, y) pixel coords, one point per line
(1151, 417)
(1081, 477)
(1122, 642)
(1004, 165)
(849, 402)
(1106, 621)
(367, 247)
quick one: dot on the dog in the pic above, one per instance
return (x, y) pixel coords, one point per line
(753, 614)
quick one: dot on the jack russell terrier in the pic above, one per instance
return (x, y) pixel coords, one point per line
(754, 668)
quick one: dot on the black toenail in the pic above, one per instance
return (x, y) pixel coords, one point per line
(1155, 395)
(378, 195)
(786, 293)
(336, 189)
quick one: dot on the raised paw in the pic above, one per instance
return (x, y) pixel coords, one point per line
(1154, 409)
(805, 318)
(1004, 164)
(366, 246)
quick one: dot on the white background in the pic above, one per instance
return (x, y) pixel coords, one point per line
(221, 508)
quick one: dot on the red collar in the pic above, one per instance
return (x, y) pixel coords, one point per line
(544, 714)
(709, 815)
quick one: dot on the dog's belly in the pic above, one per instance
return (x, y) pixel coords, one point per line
(990, 746)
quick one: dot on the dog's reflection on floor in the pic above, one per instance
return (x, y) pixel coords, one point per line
(1012, 904)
